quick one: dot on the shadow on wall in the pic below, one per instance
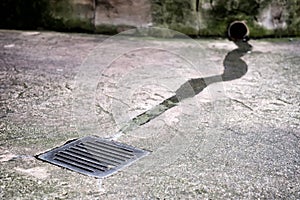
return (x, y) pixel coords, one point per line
(23, 14)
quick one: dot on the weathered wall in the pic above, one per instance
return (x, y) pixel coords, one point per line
(192, 17)
(177, 14)
(121, 14)
(264, 17)
(102, 16)
(71, 14)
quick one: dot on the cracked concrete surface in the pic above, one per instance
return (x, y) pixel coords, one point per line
(237, 139)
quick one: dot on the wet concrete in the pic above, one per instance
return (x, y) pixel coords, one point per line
(229, 127)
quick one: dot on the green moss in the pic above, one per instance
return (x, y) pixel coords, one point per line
(178, 15)
(166, 11)
(65, 15)
(182, 28)
(106, 29)
(79, 24)
(293, 19)
(258, 32)
(112, 29)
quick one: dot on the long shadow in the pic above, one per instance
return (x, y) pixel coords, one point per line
(234, 68)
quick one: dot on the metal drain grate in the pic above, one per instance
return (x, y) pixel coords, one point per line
(93, 156)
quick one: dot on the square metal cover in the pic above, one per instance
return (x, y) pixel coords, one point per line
(93, 156)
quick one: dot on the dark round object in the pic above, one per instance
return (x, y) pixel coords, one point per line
(238, 31)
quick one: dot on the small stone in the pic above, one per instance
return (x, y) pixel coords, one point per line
(9, 46)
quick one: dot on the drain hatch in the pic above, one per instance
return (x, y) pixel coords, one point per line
(93, 156)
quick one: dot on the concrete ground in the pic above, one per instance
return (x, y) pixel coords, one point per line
(231, 139)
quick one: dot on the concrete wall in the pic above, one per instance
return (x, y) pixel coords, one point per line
(118, 15)
(192, 17)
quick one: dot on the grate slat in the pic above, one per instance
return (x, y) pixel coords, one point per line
(112, 146)
(99, 157)
(105, 152)
(112, 150)
(100, 154)
(71, 163)
(99, 165)
(80, 162)
(93, 156)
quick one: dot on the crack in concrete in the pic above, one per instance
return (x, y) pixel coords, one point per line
(117, 99)
(242, 103)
